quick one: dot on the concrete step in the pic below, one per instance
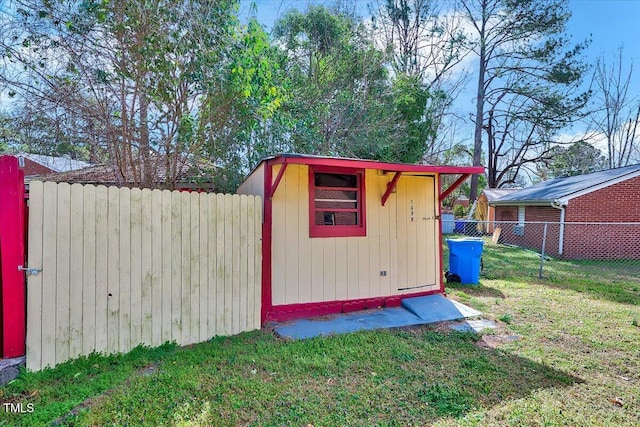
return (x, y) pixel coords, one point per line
(437, 308)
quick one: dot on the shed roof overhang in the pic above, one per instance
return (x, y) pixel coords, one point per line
(397, 168)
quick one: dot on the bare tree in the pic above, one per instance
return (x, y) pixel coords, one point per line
(139, 77)
(527, 82)
(423, 39)
(425, 43)
(617, 113)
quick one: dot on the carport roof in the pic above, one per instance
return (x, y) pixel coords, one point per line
(561, 190)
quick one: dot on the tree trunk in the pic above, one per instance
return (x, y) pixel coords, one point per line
(147, 175)
(477, 135)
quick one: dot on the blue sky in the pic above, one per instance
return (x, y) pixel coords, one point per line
(610, 23)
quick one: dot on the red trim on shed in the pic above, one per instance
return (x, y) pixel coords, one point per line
(453, 186)
(390, 187)
(274, 187)
(440, 251)
(267, 228)
(337, 230)
(280, 313)
(370, 164)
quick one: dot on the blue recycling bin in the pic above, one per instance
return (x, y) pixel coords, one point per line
(464, 259)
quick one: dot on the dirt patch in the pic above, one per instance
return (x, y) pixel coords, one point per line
(444, 327)
(148, 370)
(495, 341)
(480, 291)
(87, 403)
(19, 398)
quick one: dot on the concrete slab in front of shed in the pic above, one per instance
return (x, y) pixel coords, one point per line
(476, 326)
(347, 322)
(437, 308)
(414, 311)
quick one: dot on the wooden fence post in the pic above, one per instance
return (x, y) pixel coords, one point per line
(12, 245)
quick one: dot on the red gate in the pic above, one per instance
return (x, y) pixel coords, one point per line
(12, 253)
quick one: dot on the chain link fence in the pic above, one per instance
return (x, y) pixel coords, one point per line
(607, 251)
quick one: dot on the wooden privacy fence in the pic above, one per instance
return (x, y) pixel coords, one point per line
(123, 267)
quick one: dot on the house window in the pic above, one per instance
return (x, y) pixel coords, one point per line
(521, 216)
(519, 229)
(336, 205)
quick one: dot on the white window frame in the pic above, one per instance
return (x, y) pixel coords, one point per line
(521, 216)
(518, 230)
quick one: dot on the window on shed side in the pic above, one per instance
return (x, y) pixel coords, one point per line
(337, 203)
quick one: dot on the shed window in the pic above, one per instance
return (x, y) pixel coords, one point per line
(336, 205)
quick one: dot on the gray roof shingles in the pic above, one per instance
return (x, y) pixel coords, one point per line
(496, 193)
(563, 188)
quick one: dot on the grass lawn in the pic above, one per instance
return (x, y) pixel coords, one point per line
(567, 352)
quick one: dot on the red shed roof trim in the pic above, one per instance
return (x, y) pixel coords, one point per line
(305, 159)
(342, 162)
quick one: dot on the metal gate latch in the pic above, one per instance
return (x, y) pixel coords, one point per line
(31, 271)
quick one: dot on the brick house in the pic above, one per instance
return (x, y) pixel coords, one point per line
(576, 209)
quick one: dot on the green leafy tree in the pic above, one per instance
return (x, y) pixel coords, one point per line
(411, 98)
(7, 133)
(577, 159)
(256, 88)
(424, 45)
(341, 102)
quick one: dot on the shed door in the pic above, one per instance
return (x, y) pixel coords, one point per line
(417, 234)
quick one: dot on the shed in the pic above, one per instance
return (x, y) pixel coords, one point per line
(485, 211)
(344, 234)
(590, 216)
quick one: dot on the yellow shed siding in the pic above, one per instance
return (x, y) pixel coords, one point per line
(254, 184)
(400, 241)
